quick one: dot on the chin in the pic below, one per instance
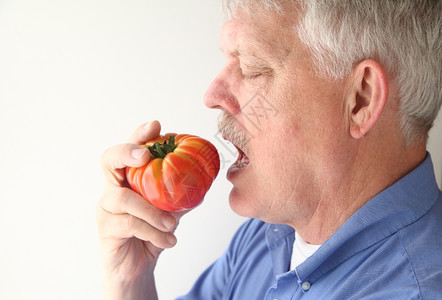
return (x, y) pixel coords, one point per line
(242, 205)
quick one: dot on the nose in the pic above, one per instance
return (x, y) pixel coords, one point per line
(219, 95)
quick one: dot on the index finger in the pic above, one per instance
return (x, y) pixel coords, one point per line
(145, 132)
(115, 159)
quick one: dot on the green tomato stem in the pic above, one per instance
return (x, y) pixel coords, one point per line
(159, 150)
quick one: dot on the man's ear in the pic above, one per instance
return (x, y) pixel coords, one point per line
(367, 97)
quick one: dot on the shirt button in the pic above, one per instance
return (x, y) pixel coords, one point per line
(306, 285)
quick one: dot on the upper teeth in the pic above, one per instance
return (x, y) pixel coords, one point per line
(243, 161)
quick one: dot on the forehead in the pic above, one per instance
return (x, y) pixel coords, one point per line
(267, 34)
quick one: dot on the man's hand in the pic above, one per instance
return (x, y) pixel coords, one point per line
(132, 232)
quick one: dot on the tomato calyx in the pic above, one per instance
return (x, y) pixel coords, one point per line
(160, 150)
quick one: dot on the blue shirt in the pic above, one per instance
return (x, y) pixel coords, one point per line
(391, 248)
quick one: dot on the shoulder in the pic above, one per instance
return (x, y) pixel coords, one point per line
(422, 245)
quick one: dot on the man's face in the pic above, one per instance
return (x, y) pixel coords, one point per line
(287, 123)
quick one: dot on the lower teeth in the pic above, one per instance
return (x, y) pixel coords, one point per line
(242, 162)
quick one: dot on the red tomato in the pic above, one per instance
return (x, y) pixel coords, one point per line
(179, 175)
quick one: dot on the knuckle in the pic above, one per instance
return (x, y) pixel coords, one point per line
(109, 159)
(114, 157)
(139, 131)
(130, 223)
(102, 219)
(126, 148)
(113, 199)
(124, 196)
(103, 203)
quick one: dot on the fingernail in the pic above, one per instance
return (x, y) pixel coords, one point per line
(168, 221)
(138, 153)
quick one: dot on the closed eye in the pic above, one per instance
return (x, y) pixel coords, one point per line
(250, 76)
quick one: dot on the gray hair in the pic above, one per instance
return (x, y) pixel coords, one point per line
(403, 36)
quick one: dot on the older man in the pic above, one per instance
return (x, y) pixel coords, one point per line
(338, 185)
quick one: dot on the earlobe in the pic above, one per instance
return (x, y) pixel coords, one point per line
(368, 96)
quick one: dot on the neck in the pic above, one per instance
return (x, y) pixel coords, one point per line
(359, 178)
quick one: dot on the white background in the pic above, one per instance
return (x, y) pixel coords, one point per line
(77, 77)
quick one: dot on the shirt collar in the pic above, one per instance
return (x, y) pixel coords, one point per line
(391, 210)
(280, 240)
(394, 208)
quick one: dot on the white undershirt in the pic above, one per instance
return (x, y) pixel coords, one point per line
(301, 251)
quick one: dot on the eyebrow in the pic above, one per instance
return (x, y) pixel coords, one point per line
(257, 53)
(237, 54)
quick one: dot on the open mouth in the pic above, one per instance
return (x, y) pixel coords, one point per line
(239, 166)
(242, 160)
(232, 131)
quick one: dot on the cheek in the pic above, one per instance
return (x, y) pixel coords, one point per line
(274, 165)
